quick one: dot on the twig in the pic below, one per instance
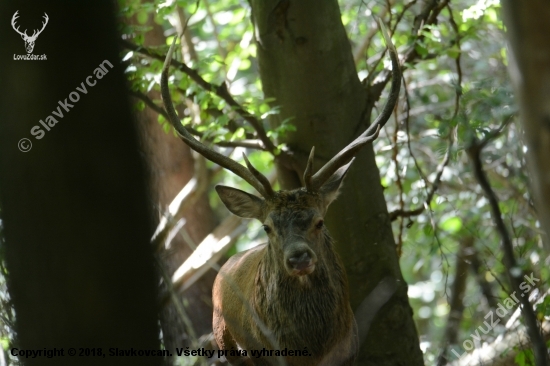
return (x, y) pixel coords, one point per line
(360, 51)
(399, 185)
(435, 185)
(400, 16)
(457, 61)
(401, 213)
(407, 124)
(219, 90)
(249, 144)
(215, 32)
(484, 285)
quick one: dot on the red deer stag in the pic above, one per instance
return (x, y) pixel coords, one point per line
(291, 293)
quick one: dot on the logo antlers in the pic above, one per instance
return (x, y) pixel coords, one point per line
(29, 40)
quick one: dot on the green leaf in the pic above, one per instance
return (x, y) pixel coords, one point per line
(452, 225)
(142, 17)
(422, 51)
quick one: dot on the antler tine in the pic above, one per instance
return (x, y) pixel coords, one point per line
(340, 159)
(205, 151)
(260, 177)
(45, 22)
(395, 84)
(13, 19)
(347, 153)
(37, 32)
(309, 170)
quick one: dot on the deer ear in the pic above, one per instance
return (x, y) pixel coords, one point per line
(241, 203)
(331, 188)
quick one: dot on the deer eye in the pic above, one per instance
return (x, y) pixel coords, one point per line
(319, 224)
(267, 229)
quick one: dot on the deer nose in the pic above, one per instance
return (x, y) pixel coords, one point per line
(300, 261)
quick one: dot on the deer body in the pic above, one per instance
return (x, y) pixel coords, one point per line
(302, 310)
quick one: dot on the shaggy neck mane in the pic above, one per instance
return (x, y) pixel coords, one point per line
(301, 311)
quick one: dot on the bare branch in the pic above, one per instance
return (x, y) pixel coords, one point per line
(435, 185)
(514, 271)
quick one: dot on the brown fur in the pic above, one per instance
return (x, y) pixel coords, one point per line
(310, 310)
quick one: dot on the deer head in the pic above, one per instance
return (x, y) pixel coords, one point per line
(29, 40)
(293, 221)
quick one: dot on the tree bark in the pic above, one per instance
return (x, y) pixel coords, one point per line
(306, 64)
(74, 207)
(528, 26)
(172, 165)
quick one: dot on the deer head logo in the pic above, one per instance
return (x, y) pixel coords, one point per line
(29, 40)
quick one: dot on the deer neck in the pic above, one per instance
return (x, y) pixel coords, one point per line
(296, 308)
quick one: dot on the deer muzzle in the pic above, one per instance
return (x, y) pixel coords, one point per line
(301, 262)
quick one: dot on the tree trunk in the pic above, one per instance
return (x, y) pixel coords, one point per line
(306, 63)
(528, 26)
(74, 207)
(172, 166)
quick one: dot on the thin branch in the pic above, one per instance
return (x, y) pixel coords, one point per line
(400, 16)
(441, 168)
(514, 271)
(249, 144)
(427, 16)
(360, 51)
(484, 285)
(219, 90)
(457, 61)
(399, 184)
(435, 185)
(407, 124)
(215, 32)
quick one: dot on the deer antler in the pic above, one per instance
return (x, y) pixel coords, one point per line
(313, 183)
(36, 33)
(251, 175)
(15, 16)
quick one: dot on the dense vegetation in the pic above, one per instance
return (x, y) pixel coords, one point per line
(456, 106)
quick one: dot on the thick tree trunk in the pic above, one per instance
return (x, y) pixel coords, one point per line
(306, 64)
(528, 26)
(77, 225)
(172, 166)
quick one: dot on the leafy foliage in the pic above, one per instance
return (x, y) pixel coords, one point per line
(457, 90)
